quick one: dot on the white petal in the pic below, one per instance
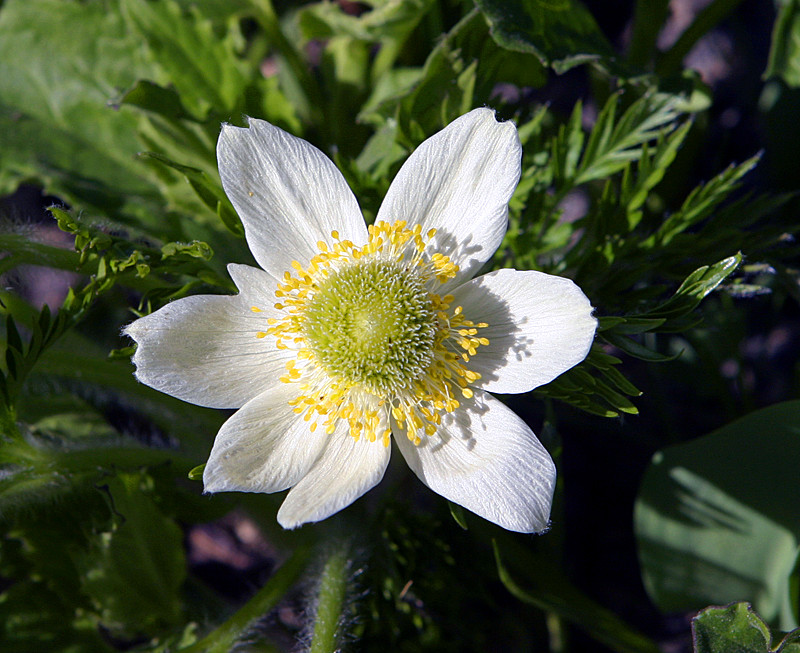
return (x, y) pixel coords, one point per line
(288, 194)
(459, 182)
(539, 327)
(203, 349)
(486, 459)
(346, 470)
(264, 447)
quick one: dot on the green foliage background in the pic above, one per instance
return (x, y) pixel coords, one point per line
(114, 107)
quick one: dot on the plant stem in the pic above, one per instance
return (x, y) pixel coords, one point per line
(330, 602)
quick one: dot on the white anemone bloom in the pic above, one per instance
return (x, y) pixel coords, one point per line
(348, 335)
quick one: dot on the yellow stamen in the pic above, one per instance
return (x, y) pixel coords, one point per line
(415, 398)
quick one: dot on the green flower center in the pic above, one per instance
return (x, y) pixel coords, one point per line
(374, 343)
(372, 323)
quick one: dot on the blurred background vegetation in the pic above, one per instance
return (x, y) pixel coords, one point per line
(660, 173)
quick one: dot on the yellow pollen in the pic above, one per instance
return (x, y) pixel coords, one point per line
(415, 390)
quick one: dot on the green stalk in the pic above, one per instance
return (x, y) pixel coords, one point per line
(330, 602)
(223, 638)
(648, 19)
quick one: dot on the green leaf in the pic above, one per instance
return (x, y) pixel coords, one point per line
(784, 55)
(149, 96)
(635, 349)
(553, 593)
(196, 473)
(457, 512)
(614, 143)
(732, 628)
(561, 33)
(695, 288)
(388, 24)
(737, 629)
(136, 570)
(703, 200)
(718, 519)
(207, 189)
(203, 66)
(60, 64)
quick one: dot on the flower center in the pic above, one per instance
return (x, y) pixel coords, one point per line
(372, 323)
(374, 342)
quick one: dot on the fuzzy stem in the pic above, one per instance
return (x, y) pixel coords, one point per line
(330, 602)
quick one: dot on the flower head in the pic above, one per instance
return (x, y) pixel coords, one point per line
(350, 335)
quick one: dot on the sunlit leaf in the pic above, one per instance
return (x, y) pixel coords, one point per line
(561, 33)
(718, 519)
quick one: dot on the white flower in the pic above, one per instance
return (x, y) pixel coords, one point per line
(348, 335)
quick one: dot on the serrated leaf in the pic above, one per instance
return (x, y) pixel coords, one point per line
(614, 143)
(55, 123)
(203, 66)
(703, 200)
(737, 628)
(561, 33)
(696, 287)
(194, 249)
(618, 380)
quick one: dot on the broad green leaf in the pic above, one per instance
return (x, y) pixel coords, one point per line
(561, 33)
(784, 55)
(137, 568)
(718, 519)
(203, 66)
(149, 96)
(737, 629)
(61, 62)
(461, 72)
(381, 152)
